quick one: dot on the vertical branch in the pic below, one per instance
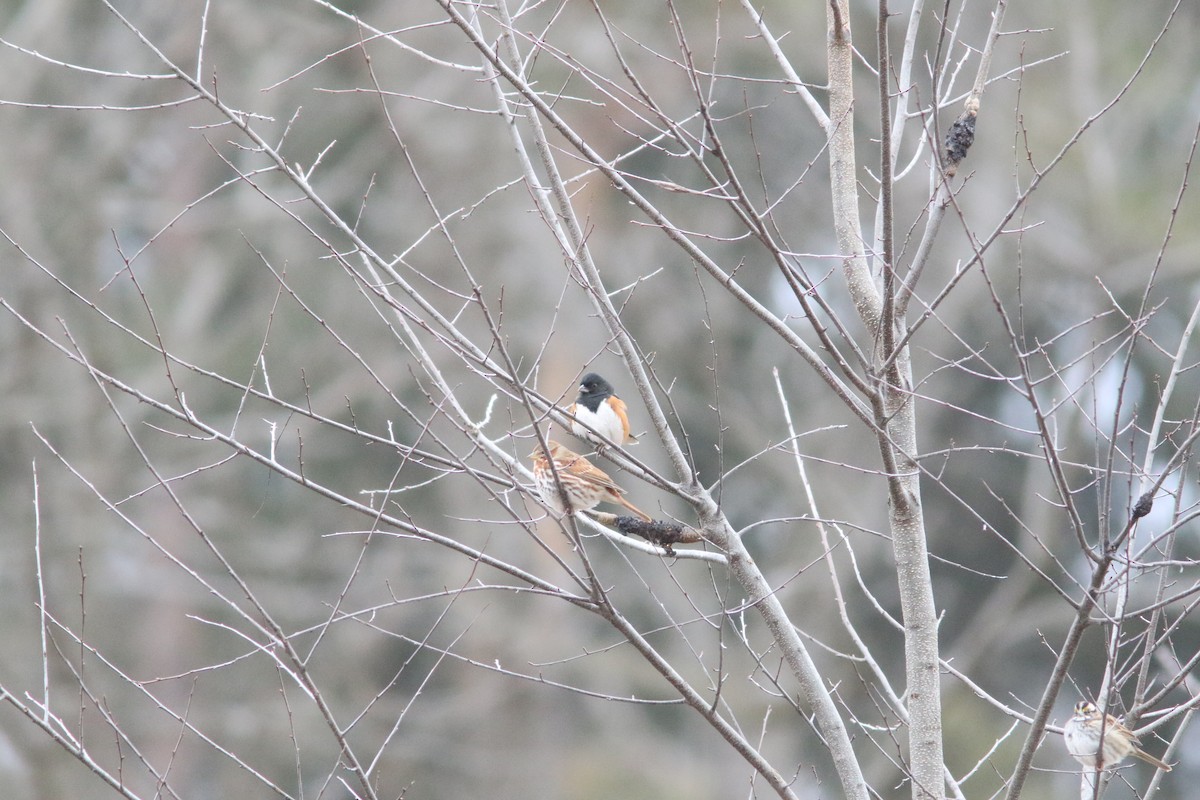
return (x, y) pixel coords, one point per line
(908, 526)
(896, 420)
(887, 333)
(843, 167)
(43, 620)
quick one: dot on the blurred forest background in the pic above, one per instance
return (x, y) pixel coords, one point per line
(138, 219)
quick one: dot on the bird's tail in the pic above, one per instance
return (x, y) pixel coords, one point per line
(645, 517)
(1149, 759)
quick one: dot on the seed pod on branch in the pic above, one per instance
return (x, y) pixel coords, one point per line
(960, 138)
(663, 533)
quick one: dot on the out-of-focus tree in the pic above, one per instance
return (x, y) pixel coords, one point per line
(900, 299)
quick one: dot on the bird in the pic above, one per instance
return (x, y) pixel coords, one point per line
(599, 409)
(586, 486)
(1082, 735)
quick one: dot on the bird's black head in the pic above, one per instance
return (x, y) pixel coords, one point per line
(593, 385)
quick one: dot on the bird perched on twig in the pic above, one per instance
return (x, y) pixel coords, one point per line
(599, 408)
(1082, 736)
(585, 486)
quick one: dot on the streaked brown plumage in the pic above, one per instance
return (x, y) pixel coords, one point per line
(586, 486)
(1082, 736)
